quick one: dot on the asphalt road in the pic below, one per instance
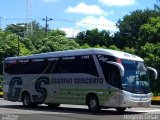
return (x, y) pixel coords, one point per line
(15, 111)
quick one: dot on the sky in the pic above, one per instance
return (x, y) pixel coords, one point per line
(71, 16)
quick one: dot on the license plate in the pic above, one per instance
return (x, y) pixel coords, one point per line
(140, 104)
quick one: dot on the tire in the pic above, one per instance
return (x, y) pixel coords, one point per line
(93, 104)
(53, 105)
(26, 100)
(121, 110)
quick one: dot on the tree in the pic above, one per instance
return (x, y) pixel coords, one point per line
(150, 32)
(85, 46)
(113, 47)
(94, 37)
(129, 27)
(56, 43)
(151, 54)
(56, 32)
(130, 50)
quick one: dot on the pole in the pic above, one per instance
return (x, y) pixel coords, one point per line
(46, 20)
(18, 45)
(46, 25)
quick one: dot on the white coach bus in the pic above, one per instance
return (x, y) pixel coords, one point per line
(99, 78)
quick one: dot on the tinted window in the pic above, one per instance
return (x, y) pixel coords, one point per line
(111, 72)
(16, 67)
(65, 65)
(76, 64)
(86, 64)
(34, 66)
(38, 66)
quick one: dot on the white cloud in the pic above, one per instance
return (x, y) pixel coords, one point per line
(50, 0)
(98, 22)
(118, 2)
(70, 32)
(86, 9)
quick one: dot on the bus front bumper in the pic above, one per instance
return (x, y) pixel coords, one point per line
(131, 103)
(135, 100)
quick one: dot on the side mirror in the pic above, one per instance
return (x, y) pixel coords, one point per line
(121, 68)
(155, 72)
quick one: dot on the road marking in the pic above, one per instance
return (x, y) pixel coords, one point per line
(158, 110)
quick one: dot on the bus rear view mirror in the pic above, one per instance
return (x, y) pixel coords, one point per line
(121, 68)
(154, 71)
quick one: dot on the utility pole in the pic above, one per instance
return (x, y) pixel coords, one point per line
(18, 41)
(47, 20)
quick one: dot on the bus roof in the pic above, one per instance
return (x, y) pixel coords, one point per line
(114, 53)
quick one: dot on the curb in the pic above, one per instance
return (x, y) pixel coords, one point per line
(1, 94)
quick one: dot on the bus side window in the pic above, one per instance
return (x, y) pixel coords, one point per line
(111, 74)
(38, 66)
(10, 67)
(80, 64)
(19, 67)
(64, 66)
(86, 64)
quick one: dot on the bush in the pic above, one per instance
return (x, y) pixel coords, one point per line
(0, 88)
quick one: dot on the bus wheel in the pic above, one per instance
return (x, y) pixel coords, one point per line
(93, 104)
(53, 105)
(26, 100)
(121, 110)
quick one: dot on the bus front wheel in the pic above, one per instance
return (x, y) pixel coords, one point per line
(93, 104)
(120, 110)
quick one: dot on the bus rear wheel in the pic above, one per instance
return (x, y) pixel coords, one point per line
(26, 100)
(53, 105)
(93, 104)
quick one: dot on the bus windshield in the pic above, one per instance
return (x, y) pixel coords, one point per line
(135, 78)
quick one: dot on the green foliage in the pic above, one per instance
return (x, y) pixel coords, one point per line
(94, 37)
(129, 28)
(56, 32)
(151, 54)
(113, 47)
(130, 50)
(150, 32)
(85, 46)
(56, 43)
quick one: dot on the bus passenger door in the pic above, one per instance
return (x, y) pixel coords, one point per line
(112, 77)
(115, 82)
